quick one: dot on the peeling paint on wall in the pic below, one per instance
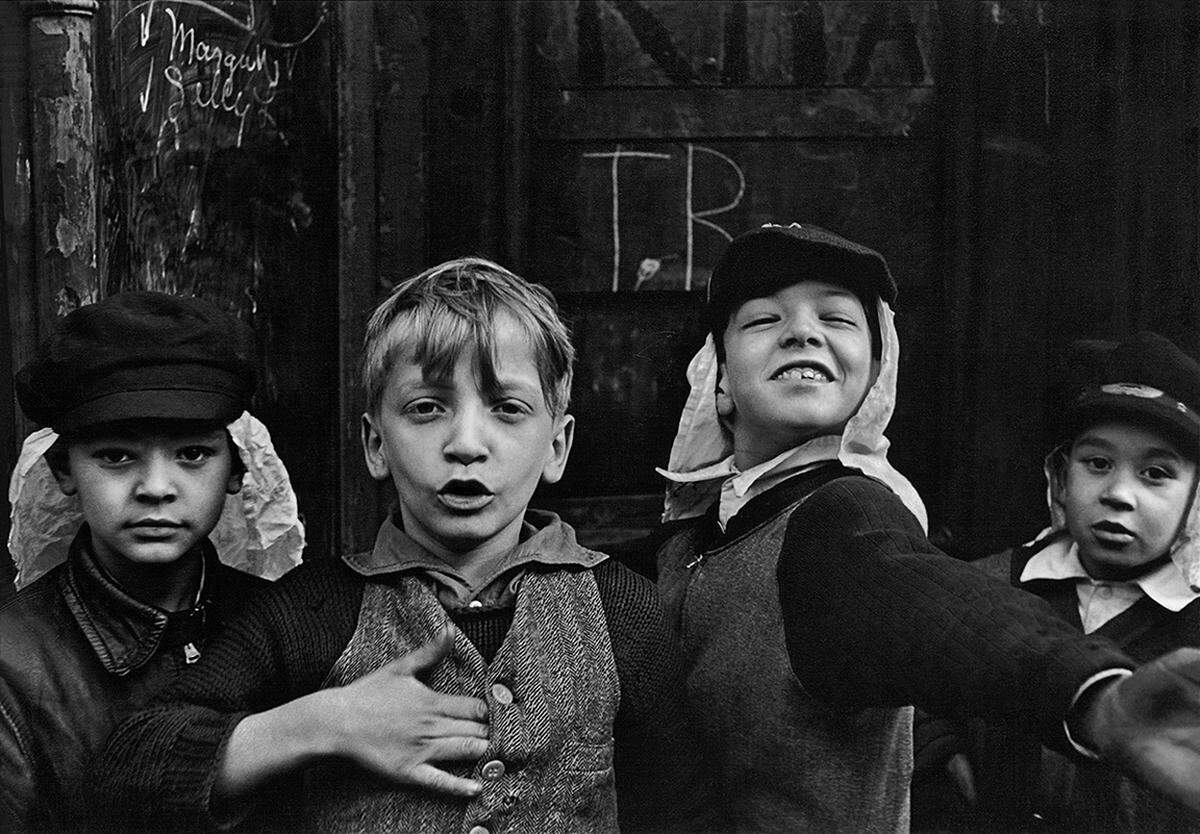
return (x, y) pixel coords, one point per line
(68, 237)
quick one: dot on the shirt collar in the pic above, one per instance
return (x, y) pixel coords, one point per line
(739, 487)
(545, 539)
(1060, 560)
(123, 631)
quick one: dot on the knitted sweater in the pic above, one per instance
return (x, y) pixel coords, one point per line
(1021, 786)
(160, 765)
(871, 615)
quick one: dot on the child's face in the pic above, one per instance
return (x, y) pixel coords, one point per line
(1125, 492)
(465, 464)
(797, 365)
(149, 497)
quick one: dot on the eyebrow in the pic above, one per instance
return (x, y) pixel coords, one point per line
(1153, 451)
(510, 385)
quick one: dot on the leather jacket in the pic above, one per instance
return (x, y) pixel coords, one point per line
(77, 653)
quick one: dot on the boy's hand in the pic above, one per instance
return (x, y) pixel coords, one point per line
(394, 725)
(1148, 724)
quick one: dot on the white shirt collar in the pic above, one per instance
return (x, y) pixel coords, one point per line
(738, 490)
(1060, 560)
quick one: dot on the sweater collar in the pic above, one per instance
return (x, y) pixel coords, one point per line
(123, 631)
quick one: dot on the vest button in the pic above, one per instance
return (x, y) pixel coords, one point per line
(479, 829)
(502, 693)
(493, 770)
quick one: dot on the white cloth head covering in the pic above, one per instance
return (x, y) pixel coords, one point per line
(259, 531)
(1185, 550)
(702, 441)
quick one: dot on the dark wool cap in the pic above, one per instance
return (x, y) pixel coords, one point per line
(1145, 379)
(763, 261)
(139, 355)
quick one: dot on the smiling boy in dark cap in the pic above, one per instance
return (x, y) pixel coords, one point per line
(811, 606)
(1120, 559)
(139, 388)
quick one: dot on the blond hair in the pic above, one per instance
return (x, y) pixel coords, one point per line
(436, 315)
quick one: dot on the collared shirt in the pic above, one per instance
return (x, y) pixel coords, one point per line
(544, 539)
(738, 487)
(1101, 600)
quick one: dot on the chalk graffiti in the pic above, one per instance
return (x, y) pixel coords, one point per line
(209, 60)
(203, 119)
(695, 216)
(616, 156)
(650, 267)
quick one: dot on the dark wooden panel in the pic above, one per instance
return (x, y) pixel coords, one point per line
(794, 42)
(698, 113)
(362, 502)
(629, 387)
(640, 215)
(18, 304)
(1081, 210)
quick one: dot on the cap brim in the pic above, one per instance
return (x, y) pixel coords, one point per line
(165, 404)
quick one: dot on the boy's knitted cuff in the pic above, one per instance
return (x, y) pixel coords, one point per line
(1109, 675)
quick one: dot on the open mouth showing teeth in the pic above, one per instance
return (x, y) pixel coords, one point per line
(803, 372)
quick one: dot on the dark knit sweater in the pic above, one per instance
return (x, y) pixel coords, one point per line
(162, 762)
(873, 615)
(876, 615)
(1020, 786)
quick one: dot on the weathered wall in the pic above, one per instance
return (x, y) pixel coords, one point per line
(1028, 168)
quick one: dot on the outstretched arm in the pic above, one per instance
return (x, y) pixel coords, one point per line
(874, 614)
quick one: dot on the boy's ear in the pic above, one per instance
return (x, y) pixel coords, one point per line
(372, 442)
(724, 400)
(560, 450)
(60, 468)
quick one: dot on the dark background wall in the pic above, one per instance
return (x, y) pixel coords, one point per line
(1029, 169)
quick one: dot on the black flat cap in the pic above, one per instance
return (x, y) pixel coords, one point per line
(761, 262)
(139, 355)
(1145, 379)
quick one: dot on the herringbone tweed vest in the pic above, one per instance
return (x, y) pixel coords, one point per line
(552, 695)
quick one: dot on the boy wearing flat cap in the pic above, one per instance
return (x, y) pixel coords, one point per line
(139, 389)
(1120, 559)
(812, 608)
